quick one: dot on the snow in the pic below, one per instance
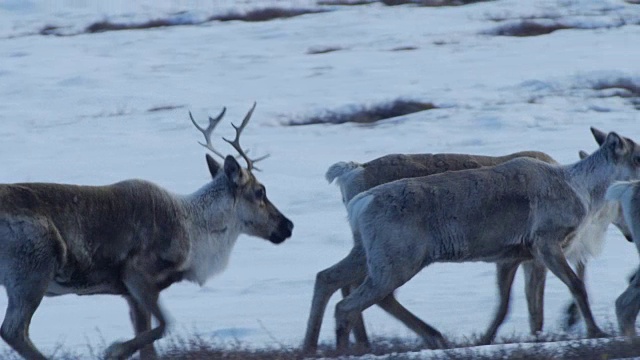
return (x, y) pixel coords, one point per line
(75, 109)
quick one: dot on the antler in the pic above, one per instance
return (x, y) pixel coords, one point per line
(236, 142)
(209, 130)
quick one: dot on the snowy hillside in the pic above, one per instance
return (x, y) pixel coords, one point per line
(97, 108)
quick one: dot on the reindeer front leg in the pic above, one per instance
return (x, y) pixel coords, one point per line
(550, 253)
(145, 294)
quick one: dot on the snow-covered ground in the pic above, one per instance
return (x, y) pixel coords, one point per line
(75, 109)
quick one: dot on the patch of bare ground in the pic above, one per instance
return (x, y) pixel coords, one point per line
(528, 28)
(404, 48)
(366, 114)
(264, 14)
(106, 25)
(254, 15)
(432, 3)
(346, 2)
(164, 108)
(315, 50)
(626, 88)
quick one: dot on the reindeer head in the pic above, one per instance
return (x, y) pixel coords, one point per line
(618, 221)
(621, 151)
(255, 213)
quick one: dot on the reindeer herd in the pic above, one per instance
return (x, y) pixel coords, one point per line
(134, 238)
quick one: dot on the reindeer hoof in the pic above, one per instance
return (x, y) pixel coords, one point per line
(572, 317)
(116, 351)
(485, 340)
(598, 334)
(437, 342)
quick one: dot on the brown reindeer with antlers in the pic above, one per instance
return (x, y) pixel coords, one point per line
(132, 238)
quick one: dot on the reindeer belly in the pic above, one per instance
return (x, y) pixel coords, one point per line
(86, 283)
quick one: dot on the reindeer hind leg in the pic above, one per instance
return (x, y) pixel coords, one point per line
(29, 260)
(350, 270)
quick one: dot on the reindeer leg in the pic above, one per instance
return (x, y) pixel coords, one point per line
(551, 255)
(141, 320)
(145, 294)
(383, 277)
(572, 313)
(28, 263)
(628, 306)
(506, 272)
(350, 270)
(535, 275)
(432, 337)
(25, 295)
(359, 330)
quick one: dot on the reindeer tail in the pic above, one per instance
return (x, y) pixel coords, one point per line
(339, 169)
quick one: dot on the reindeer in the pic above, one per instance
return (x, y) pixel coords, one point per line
(132, 238)
(520, 210)
(354, 178)
(627, 194)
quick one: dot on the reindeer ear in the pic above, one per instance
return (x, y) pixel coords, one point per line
(598, 135)
(583, 154)
(214, 167)
(232, 170)
(616, 144)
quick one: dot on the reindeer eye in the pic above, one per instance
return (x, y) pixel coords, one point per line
(260, 194)
(636, 160)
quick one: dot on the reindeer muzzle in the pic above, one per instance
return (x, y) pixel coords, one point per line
(284, 231)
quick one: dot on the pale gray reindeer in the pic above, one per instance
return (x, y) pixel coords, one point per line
(520, 210)
(132, 238)
(354, 178)
(627, 194)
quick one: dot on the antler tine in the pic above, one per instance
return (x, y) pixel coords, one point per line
(236, 142)
(209, 130)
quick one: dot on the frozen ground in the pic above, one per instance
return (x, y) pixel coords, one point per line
(75, 109)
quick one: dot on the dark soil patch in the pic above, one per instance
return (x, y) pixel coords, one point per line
(165, 108)
(625, 88)
(366, 114)
(105, 25)
(346, 2)
(528, 28)
(432, 3)
(323, 50)
(265, 14)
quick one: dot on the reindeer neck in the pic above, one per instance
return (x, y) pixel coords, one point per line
(212, 228)
(210, 208)
(591, 177)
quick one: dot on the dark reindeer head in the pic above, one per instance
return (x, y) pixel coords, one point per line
(256, 214)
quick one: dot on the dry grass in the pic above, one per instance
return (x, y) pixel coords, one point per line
(541, 348)
(366, 114)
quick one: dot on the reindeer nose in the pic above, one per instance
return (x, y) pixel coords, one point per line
(286, 227)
